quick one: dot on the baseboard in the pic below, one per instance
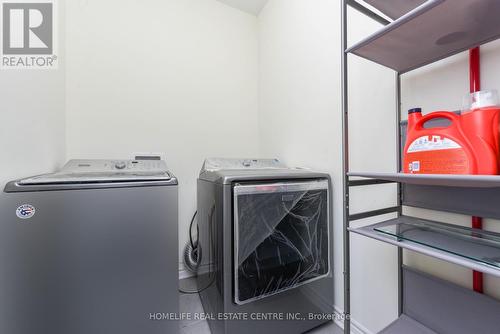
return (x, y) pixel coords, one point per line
(184, 273)
(356, 327)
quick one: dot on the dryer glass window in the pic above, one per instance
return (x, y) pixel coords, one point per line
(281, 237)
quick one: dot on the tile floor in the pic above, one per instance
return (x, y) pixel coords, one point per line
(190, 303)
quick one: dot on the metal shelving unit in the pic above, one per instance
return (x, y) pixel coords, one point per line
(418, 33)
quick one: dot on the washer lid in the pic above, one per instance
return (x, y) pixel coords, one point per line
(103, 171)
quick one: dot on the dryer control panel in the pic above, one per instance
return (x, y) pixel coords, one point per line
(213, 164)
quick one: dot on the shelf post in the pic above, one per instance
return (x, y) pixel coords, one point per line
(399, 199)
(345, 162)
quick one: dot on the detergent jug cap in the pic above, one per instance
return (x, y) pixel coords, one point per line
(414, 110)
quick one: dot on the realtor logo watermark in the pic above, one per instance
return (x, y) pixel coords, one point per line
(28, 35)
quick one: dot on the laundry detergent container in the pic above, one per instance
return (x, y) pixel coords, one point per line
(444, 142)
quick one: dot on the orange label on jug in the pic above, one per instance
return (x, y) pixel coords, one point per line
(436, 155)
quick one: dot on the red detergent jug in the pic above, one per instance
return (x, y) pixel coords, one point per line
(468, 145)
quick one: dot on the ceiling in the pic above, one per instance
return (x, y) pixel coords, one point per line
(250, 6)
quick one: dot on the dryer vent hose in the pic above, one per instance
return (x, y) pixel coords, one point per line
(191, 258)
(192, 252)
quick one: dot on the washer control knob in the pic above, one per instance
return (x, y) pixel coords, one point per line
(120, 165)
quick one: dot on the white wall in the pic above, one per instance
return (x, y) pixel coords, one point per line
(300, 122)
(178, 77)
(32, 137)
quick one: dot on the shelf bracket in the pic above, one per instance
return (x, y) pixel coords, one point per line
(373, 213)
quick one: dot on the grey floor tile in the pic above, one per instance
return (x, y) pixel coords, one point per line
(190, 303)
(329, 328)
(201, 327)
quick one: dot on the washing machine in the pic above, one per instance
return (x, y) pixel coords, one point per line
(265, 244)
(90, 249)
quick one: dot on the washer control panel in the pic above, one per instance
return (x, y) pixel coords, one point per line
(97, 166)
(88, 171)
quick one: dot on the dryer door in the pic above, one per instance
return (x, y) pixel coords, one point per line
(281, 237)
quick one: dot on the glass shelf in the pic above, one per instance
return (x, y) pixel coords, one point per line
(472, 248)
(476, 245)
